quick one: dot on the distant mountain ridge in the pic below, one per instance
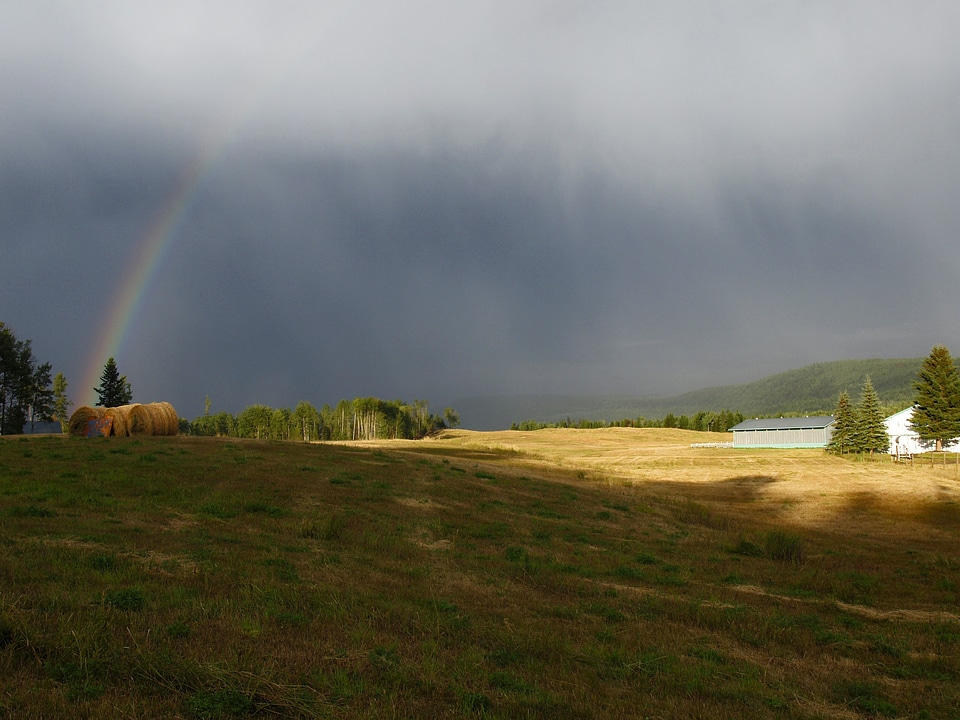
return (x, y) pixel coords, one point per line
(809, 390)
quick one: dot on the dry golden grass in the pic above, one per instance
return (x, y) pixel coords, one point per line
(803, 487)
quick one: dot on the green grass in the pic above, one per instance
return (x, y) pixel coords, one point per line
(202, 578)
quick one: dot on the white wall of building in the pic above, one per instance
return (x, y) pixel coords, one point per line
(903, 438)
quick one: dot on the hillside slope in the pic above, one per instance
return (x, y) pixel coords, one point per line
(808, 390)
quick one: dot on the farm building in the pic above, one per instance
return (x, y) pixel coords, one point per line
(904, 439)
(42, 428)
(805, 432)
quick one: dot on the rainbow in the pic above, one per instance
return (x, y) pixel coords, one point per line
(154, 246)
(142, 271)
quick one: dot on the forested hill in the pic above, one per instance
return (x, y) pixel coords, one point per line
(810, 390)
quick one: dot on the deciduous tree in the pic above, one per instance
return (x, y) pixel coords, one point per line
(61, 403)
(451, 418)
(306, 419)
(41, 395)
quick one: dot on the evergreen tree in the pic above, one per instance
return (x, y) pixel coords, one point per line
(61, 403)
(871, 434)
(936, 412)
(114, 389)
(844, 427)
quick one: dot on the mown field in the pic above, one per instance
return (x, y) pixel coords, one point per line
(612, 573)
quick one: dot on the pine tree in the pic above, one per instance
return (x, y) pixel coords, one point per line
(114, 389)
(871, 434)
(936, 412)
(844, 427)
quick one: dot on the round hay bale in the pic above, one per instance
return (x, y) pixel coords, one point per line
(121, 419)
(172, 422)
(141, 420)
(81, 416)
(153, 419)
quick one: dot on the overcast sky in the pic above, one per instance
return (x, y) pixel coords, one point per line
(435, 199)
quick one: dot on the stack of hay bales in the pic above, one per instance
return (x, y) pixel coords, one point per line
(148, 419)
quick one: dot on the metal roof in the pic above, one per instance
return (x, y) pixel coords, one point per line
(816, 422)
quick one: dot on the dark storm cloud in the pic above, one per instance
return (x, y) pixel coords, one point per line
(438, 200)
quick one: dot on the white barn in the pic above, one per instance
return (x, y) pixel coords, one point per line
(800, 432)
(904, 439)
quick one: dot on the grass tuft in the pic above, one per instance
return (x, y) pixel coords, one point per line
(783, 546)
(128, 599)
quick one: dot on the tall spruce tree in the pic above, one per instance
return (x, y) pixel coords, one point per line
(871, 434)
(114, 389)
(844, 427)
(936, 412)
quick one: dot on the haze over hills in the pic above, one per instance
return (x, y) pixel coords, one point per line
(810, 390)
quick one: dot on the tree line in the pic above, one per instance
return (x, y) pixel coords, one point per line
(702, 421)
(363, 418)
(28, 394)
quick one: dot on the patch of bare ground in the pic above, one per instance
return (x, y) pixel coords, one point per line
(913, 616)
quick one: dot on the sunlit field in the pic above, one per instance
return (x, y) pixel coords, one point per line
(551, 574)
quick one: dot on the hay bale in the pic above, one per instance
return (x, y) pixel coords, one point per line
(121, 419)
(81, 417)
(153, 419)
(173, 420)
(141, 420)
(172, 426)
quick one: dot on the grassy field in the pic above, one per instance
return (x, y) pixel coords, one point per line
(612, 573)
